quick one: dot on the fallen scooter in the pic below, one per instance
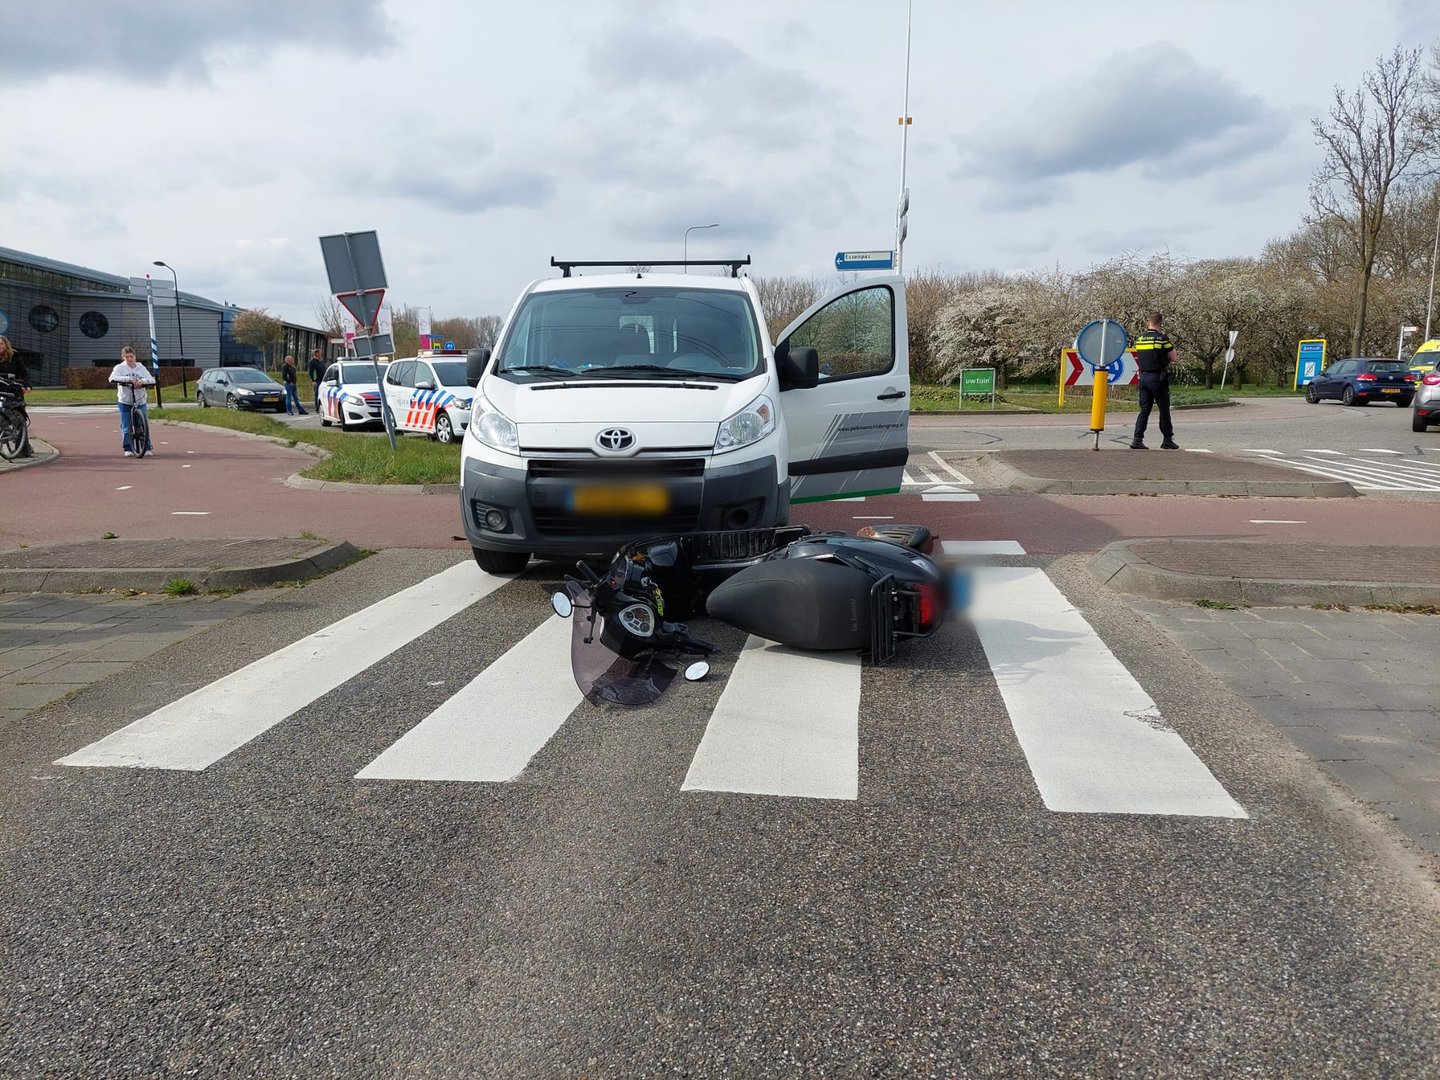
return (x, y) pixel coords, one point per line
(819, 591)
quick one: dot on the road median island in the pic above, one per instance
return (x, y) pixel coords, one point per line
(1155, 472)
(1268, 575)
(345, 458)
(151, 565)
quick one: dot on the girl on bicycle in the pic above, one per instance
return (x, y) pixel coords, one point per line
(130, 380)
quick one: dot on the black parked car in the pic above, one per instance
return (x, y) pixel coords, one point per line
(1359, 382)
(239, 388)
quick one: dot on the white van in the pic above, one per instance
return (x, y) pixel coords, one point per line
(620, 406)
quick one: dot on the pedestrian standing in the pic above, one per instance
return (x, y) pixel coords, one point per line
(13, 366)
(292, 397)
(316, 370)
(131, 379)
(1155, 353)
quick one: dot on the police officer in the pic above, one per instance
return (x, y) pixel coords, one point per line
(1156, 353)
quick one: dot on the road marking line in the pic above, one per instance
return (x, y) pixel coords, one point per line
(949, 496)
(809, 748)
(1386, 471)
(189, 513)
(125, 487)
(1425, 467)
(490, 729)
(1335, 453)
(981, 547)
(186, 466)
(873, 517)
(1277, 453)
(1189, 450)
(1375, 450)
(954, 472)
(1349, 473)
(1094, 740)
(1275, 521)
(207, 724)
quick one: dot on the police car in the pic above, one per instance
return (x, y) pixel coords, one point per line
(428, 394)
(348, 394)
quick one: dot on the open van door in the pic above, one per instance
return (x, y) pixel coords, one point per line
(847, 403)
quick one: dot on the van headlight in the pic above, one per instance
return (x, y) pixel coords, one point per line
(492, 427)
(750, 424)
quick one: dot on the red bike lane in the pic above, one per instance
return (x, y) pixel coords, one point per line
(200, 484)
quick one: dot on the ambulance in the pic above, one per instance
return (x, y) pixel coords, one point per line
(617, 406)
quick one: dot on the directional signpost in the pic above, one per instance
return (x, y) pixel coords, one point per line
(1229, 356)
(864, 260)
(357, 278)
(1101, 343)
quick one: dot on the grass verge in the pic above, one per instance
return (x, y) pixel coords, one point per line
(925, 397)
(354, 458)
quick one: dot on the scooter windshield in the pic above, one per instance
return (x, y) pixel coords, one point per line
(601, 673)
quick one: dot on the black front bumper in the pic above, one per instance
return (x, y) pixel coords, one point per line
(537, 518)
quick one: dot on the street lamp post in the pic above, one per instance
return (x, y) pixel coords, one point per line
(1430, 304)
(686, 249)
(179, 327)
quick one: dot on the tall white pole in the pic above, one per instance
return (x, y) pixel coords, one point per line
(904, 149)
(154, 342)
(1430, 304)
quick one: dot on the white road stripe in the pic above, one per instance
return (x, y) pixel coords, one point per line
(949, 496)
(189, 513)
(1095, 741)
(1249, 451)
(125, 487)
(873, 517)
(1189, 450)
(1384, 472)
(1334, 452)
(981, 547)
(807, 747)
(1275, 521)
(490, 729)
(955, 473)
(1375, 450)
(1339, 472)
(220, 717)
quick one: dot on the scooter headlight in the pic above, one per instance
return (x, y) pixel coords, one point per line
(638, 619)
(750, 424)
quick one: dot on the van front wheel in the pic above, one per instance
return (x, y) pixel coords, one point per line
(500, 562)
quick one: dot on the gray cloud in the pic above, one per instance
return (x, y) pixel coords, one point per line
(1153, 107)
(164, 37)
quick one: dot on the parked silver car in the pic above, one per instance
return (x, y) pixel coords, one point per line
(1425, 410)
(239, 388)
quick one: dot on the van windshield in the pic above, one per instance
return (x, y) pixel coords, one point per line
(640, 333)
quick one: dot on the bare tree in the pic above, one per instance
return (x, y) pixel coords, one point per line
(331, 317)
(1374, 138)
(784, 298)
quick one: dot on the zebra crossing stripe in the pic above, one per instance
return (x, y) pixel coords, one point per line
(981, 547)
(809, 747)
(1094, 740)
(490, 729)
(207, 724)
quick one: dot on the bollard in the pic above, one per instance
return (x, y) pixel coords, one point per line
(1099, 394)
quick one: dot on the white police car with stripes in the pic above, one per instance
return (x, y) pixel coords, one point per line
(348, 395)
(428, 394)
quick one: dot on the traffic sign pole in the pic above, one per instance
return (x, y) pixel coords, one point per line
(154, 343)
(1100, 394)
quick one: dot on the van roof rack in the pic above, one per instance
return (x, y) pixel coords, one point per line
(566, 265)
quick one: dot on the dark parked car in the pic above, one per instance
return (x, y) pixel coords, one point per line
(239, 388)
(1359, 382)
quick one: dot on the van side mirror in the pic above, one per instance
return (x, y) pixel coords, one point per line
(799, 368)
(475, 361)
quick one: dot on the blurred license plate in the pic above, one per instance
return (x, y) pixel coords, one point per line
(637, 500)
(1392, 390)
(272, 401)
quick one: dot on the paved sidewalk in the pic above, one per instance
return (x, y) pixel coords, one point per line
(43, 454)
(1112, 471)
(52, 644)
(1273, 574)
(149, 564)
(1355, 690)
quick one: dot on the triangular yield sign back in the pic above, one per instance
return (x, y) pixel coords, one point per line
(364, 306)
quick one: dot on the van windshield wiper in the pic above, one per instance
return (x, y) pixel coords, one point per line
(540, 369)
(661, 369)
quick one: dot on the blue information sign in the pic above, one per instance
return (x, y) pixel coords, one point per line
(449, 346)
(1309, 359)
(864, 260)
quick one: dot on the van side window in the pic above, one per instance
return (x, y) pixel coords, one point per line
(854, 334)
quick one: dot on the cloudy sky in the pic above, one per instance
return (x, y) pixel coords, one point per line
(480, 138)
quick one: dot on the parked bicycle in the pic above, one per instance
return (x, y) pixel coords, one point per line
(13, 418)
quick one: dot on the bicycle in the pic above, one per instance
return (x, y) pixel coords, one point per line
(139, 427)
(13, 418)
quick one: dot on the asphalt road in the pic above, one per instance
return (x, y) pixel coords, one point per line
(269, 912)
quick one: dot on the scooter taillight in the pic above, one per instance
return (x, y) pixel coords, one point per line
(930, 607)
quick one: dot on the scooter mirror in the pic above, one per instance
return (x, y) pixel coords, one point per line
(560, 601)
(697, 671)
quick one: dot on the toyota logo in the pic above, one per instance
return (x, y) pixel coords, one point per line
(614, 440)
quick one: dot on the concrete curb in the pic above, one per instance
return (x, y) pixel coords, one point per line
(1015, 480)
(41, 458)
(1124, 571)
(153, 579)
